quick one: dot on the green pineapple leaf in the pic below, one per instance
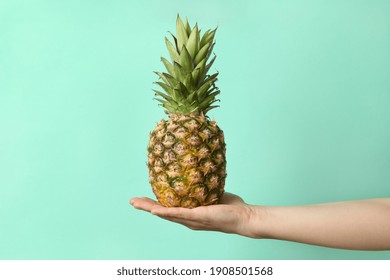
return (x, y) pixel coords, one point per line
(163, 95)
(185, 60)
(201, 67)
(207, 37)
(162, 77)
(179, 72)
(172, 50)
(193, 42)
(187, 27)
(213, 78)
(189, 83)
(166, 88)
(168, 66)
(202, 53)
(181, 34)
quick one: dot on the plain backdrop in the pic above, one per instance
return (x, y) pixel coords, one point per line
(305, 97)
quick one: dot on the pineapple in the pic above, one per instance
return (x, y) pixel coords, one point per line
(186, 153)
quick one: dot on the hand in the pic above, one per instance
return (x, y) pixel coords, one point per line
(230, 216)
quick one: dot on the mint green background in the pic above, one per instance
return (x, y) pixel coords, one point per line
(304, 106)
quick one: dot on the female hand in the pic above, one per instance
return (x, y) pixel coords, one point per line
(230, 216)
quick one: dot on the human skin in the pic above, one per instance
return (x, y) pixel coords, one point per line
(356, 225)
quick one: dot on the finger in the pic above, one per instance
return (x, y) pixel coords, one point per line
(188, 223)
(143, 203)
(173, 212)
(139, 199)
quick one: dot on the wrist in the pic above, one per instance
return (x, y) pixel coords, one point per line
(254, 221)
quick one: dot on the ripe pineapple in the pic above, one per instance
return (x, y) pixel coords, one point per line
(186, 153)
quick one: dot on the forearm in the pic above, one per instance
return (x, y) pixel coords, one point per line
(361, 225)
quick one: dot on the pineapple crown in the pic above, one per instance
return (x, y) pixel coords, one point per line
(187, 86)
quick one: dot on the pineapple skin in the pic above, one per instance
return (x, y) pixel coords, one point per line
(187, 161)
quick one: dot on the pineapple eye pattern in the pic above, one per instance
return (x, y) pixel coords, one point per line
(187, 171)
(192, 125)
(180, 132)
(158, 149)
(204, 152)
(180, 148)
(169, 156)
(168, 141)
(181, 188)
(194, 140)
(174, 170)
